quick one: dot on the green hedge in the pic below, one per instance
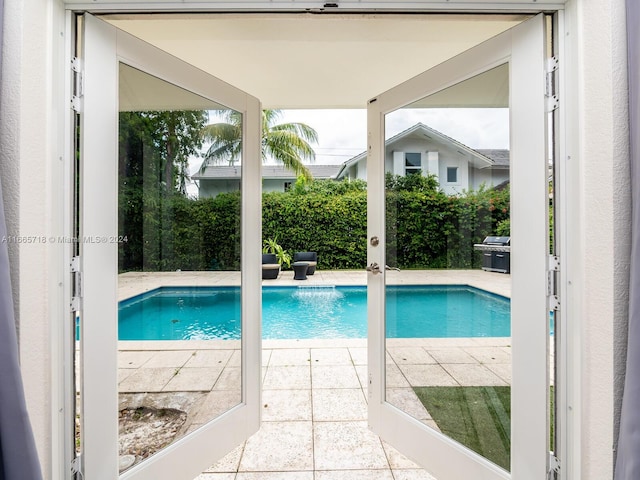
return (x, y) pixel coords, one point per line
(429, 229)
(433, 230)
(170, 233)
(333, 226)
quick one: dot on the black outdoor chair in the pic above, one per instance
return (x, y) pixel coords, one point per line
(309, 257)
(270, 266)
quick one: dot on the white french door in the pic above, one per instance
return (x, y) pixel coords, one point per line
(127, 170)
(498, 386)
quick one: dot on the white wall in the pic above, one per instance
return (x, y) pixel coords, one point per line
(362, 171)
(597, 223)
(488, 178)
(462, 183)
(468, 178)
(275, 185)
(622, 209)
(210, 188)
(30, 167)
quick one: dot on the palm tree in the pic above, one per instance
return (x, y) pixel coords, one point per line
(287, 143)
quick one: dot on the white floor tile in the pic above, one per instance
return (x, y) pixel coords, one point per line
(347, 446)
(279, 446)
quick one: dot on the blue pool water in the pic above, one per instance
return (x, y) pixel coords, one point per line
(314, 312)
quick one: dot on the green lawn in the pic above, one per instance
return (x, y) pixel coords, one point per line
(477, 417)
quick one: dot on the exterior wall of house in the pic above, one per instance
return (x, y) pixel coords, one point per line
(436, 161)
(431, 162)
(462, 178)
(356, 171)
(488, 178)
(276, 184)
(361, 171)
(211, 188)
(394, 155)
(596, 222)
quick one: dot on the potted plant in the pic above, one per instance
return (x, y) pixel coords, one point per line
(271, 245)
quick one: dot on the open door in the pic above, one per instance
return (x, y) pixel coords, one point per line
(140, 109)
(463, 404)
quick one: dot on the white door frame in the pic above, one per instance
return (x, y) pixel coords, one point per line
(570, 411)
(105, 47)
(523, 47)
(260, 6)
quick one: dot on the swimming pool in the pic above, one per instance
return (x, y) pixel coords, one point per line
(425, 311)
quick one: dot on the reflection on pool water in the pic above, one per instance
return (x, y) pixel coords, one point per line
(170, 313)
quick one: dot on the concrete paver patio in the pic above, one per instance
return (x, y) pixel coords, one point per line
(314, 393)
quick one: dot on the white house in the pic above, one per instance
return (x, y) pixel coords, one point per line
(421, 149)
(45, 94)
(275, 178)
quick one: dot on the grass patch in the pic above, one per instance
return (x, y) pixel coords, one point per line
(477, 417)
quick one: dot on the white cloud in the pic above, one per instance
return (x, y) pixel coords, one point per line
(474, 127)
(342, 134)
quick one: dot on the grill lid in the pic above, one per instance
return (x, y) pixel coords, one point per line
(497, 241)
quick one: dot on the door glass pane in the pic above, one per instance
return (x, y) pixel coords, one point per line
(179, 321)
(448, 317)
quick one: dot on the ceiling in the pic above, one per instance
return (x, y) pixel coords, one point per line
(311, 60)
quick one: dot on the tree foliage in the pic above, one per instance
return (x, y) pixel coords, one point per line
(410, 183)
(327, 187)
(286, 143)
(154, 149)
(157, 145)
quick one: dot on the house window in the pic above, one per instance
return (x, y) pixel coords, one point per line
(287, 186)
(452, 174)
(412, 163)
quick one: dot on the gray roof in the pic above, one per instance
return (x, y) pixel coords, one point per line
(499, 157)
(268, 171)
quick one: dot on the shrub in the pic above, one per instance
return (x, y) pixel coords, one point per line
(334, 226)
(425, 227)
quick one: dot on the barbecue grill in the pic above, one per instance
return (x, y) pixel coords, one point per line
(496, 254)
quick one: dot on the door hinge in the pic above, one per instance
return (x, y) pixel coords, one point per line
(551, 96)
(78, 85)
(554, 467)
(76, 295)
(76, 468)
(553, 268)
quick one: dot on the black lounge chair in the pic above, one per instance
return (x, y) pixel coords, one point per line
(270, 266)
(308, 257)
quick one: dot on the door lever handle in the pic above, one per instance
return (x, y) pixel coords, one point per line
(373, 268)
(387, 267)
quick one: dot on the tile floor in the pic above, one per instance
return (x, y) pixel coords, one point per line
(314, 422)
(314, 415)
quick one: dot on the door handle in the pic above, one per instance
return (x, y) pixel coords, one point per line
(387, 267)
(374, 268)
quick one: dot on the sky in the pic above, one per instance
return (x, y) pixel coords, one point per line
(342, 133)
